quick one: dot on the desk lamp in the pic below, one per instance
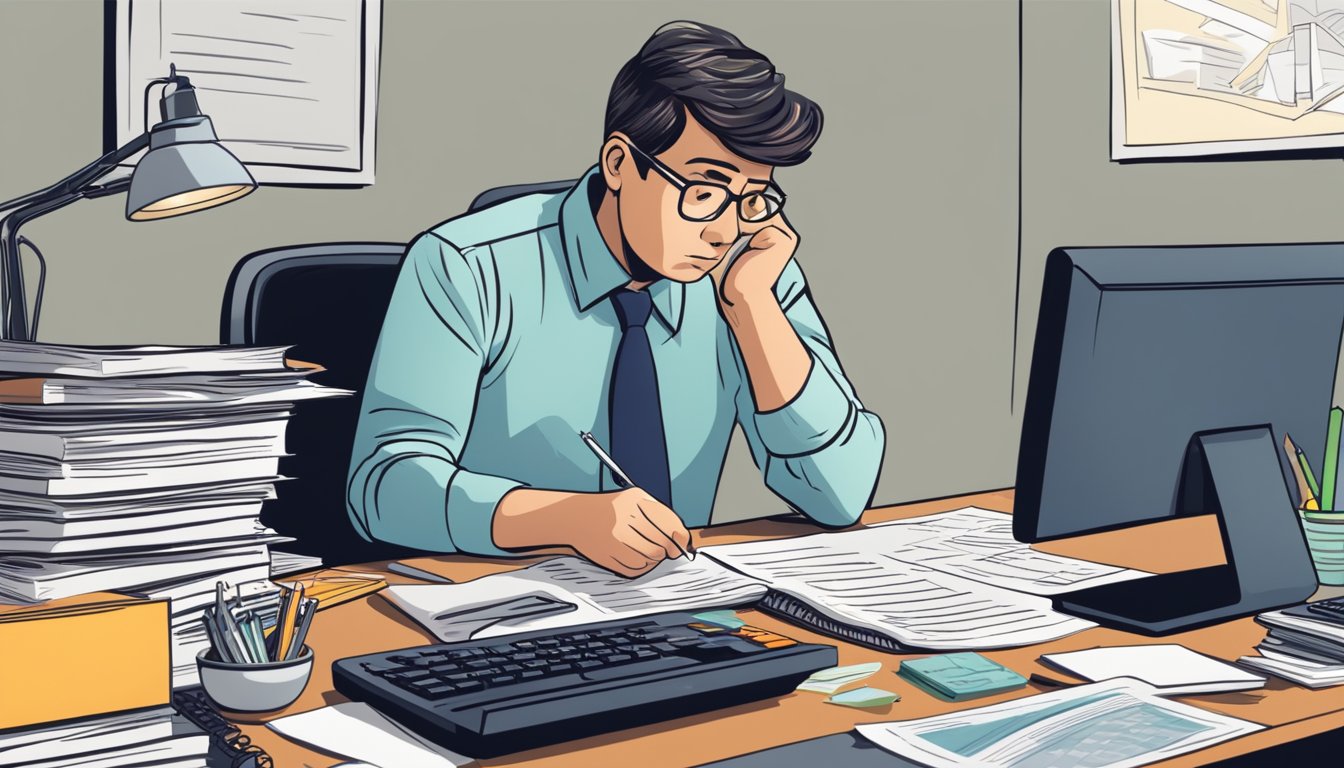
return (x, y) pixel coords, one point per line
(185, 170)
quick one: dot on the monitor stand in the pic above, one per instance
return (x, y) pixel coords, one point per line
(1236, 474)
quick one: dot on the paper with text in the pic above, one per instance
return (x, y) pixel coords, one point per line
(978, 544)
(1119, 724)
(596, 594)
(848, 577)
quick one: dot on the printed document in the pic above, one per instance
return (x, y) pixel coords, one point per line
(1117, 724)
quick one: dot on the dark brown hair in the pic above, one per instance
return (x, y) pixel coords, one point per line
(730, 89)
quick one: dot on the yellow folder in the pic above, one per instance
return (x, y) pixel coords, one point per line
(88, 655)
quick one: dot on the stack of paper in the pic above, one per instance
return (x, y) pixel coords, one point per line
(960, 676)
(1171, 669)
(143, 470)
(1309, 652)
(137, 738)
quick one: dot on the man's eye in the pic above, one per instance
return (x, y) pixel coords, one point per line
(702, 197)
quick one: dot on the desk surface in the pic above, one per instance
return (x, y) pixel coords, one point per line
(372, 624)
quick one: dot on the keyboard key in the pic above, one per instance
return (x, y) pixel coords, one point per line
(478, 664)
(505, 648)
(503, 679)
(458, 679)
(535, 664)
(589, 664)
(511, 668)
(560, 669)
(470, 686)
(439, 691)
(646, 654)
(530, 674)
(617, 658)
(408, 676)
(524, 656)
(524, 645)
(549, 642)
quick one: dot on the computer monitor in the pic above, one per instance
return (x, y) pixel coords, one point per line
(1163, 381)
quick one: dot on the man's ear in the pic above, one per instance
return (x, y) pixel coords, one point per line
(616, 160)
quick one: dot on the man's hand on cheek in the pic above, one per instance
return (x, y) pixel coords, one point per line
(753, 274)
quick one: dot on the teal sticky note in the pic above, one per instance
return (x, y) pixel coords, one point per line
(725, 619)
(960, 676)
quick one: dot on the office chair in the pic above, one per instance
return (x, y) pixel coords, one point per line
(328, 301)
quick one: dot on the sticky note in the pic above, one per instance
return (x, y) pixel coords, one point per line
(726, 619)
(864, 697)
(835, 678)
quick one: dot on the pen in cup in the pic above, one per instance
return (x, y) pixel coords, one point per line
(621, 478)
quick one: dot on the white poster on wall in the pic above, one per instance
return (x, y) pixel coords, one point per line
(290, 85)
(1210, 77)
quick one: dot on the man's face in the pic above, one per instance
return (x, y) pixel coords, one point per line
(670, 244)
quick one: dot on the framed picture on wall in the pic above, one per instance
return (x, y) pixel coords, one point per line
(1194, 78)
(290, 85)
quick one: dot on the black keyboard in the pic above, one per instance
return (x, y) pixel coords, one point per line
(490, 697)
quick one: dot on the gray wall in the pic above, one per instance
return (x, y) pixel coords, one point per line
(907, 209)
(1073, 195)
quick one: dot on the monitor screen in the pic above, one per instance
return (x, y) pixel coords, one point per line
(1138, 349)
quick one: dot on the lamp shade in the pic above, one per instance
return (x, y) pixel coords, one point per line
(185, 170)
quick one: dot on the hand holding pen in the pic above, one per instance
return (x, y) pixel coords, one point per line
(650, 520)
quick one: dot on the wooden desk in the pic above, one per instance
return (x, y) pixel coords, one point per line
(1292, 712)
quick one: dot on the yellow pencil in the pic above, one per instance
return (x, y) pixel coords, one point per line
(285, 626)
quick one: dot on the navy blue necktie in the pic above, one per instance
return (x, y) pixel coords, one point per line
(637, 442)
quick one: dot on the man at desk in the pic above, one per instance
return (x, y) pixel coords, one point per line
(513, 329)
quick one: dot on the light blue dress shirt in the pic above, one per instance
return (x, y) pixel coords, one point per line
(497, 350)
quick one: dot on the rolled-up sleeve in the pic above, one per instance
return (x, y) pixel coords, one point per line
(406, 484)
(821, 451)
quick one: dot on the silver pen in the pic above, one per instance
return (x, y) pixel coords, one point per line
(621, 478)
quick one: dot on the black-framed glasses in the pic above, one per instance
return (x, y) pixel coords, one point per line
(703, 201)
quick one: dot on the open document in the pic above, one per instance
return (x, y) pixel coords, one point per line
(1116, 724)
(845, 585)
(565, 592)
(978, 544)
(949, 581)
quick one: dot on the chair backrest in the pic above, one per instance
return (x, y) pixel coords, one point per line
(328, 301)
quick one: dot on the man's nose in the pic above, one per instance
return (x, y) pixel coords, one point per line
(723, 230)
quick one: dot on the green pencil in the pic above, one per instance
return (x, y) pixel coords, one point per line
(1331, 463)
(1311, 476)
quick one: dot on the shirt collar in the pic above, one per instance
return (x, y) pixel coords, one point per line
(594, 271)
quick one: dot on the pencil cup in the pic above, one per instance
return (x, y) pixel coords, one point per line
(1325, 539)
(254, 687)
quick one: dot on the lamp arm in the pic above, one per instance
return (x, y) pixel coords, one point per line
(13, 301)
(78, 185)
(83, 177)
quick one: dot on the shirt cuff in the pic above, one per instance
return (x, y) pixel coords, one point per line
(468, 506)
(472, 499)
(808, 422)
